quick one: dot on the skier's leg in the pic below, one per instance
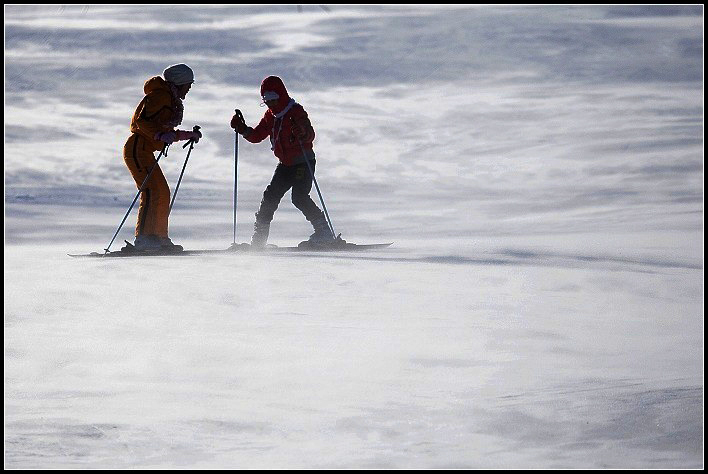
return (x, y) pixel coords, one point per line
(302, 184)
(302, 200)
(153, 212)
(274, 192)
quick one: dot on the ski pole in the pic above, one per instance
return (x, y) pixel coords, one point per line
(317, 187)
(140, 190)
(240, 115)
(191, 145)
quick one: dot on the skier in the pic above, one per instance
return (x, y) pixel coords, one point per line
(153, 128)
(291, 136)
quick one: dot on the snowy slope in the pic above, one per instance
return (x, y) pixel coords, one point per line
(539, 168)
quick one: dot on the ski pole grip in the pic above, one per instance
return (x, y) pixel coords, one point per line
(240, 117)
(196, 128)
(294, 123)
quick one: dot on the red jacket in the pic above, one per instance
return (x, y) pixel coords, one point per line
(278, 125)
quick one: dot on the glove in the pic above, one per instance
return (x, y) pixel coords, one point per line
(300, 129)
(167, 137)
(185, 135)
(238, 124)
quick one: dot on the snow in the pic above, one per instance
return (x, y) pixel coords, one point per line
(540, 170)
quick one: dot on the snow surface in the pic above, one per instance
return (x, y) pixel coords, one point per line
(540, 170)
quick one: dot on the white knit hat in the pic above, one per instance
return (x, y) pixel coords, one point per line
(179, 74)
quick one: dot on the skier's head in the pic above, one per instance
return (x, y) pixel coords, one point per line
(274, 93)
(181, 76)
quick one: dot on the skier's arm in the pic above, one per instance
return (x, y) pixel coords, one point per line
(262, 130)
(155, 115)
(302, 129)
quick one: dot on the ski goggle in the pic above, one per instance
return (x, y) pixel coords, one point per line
(269, 95)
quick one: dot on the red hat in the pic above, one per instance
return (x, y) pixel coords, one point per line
(272, 88)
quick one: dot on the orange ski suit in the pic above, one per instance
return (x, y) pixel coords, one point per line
(157, 112)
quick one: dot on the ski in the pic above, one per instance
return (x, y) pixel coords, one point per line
(341, 246)
(148, 253)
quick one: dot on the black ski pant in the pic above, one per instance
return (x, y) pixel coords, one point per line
(299, 179)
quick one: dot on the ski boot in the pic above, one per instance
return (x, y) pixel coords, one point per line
(260, 234)
(166, 245)
(321, 238)
(143, 243)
